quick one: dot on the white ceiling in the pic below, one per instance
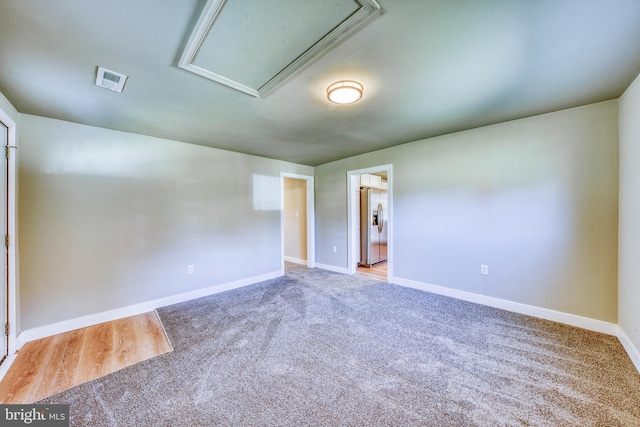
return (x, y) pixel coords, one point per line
(429, 67)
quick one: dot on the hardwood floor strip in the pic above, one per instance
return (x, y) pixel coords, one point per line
(22, 377)
(378, 271)
(97, 352)
(54, 364)
(125, 349)
(157, 341)
(62, 360)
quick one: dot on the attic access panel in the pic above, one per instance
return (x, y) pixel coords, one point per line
(252, 46)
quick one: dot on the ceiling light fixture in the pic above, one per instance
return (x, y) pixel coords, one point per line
(345, 92)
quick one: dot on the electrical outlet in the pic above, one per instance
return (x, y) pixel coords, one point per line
(190, 269)
(335, 249)
(484, 269)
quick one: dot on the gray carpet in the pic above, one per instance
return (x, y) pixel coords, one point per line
(325, 349)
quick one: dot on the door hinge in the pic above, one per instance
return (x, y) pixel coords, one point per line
(7, 240)
(6, 328)
(7, 151)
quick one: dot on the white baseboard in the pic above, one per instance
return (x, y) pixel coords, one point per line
(343, 270)
(132, 310)
(543, 313)
(632, 350)
(295, 260)
(516, 307)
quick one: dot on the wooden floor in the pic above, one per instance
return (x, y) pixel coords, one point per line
(378, 271)
(50, 365)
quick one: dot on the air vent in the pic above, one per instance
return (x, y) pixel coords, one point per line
(110, 79)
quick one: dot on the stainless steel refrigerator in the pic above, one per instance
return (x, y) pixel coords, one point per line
(373, 226)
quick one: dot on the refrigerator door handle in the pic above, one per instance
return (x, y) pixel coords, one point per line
(380, 218)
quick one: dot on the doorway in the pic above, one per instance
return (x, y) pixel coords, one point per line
(4, 312)
(361, 184)
(7, 259)
(297, 220)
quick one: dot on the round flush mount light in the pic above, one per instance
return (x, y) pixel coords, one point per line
(345, 92)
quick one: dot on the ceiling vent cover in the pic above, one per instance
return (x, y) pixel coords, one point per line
(110, 79)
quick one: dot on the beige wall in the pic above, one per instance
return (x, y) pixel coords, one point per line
(295, 219)
(536, 199)
(110, 219)
(629, 249)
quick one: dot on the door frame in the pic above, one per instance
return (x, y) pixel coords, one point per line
(352, 239)
(12, 142)
(311, 222)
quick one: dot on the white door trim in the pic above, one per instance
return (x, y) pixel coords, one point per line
(311, 222)
(351, 205)
(11, 230)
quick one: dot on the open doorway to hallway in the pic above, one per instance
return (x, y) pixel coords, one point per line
(297, 220)
(370, 222)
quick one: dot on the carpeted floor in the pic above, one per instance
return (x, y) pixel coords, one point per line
(325, 349)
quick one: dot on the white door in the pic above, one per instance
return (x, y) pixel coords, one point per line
(4, 139)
